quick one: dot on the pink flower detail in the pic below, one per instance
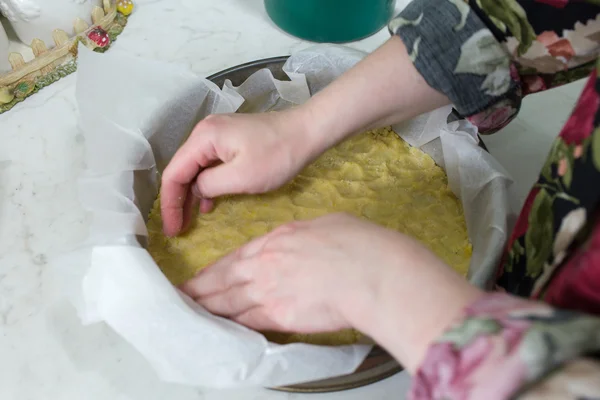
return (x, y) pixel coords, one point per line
(581, 122)
(501, 360)
(578, 151)
(489, 367)
(493, 119)
(514, 73)
(562, 167)
(533, 84)
(547, 38)
(557, 46)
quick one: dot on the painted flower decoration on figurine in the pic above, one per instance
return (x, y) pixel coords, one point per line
(100, 37)
(125, 7)
(23, 88)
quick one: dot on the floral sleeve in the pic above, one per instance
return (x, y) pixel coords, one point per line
(485, 55)
(506, 347)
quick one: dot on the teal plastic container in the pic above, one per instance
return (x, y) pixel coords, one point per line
(331, 21)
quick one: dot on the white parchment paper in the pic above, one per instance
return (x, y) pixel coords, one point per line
(134, 115)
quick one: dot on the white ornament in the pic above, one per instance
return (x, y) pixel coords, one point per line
(33, 19)
(4, 64)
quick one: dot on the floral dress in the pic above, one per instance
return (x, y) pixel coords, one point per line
(538, 337)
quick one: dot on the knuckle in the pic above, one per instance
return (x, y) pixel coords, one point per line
(258, 291)
(271, 245)
(167, 175)
(276, 238)
(208, 126)
(221, 282)
(283, 316)
(291, 227)
(240, 270)
(285, 238)
(200, 184)
(231, 302)
(269, 257)
(238, 254)
(211, 121)
(287, 228)
(267, 279)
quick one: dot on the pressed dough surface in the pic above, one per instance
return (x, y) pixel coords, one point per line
(374, 175)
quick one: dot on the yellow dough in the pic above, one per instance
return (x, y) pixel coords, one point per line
(375, 175)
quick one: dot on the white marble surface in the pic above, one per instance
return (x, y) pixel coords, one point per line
(44, 351)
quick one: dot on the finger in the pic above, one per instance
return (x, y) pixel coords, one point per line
(234, 268)
(257, 245)
(171, 208)
(258, 319)
(189, 207)
(233, 301)
(219, 277)
(215, 275)
(206, 206)
(197, 152)
(226, 178)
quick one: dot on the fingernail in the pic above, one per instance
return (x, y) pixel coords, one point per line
(206, 206)
(196, 192)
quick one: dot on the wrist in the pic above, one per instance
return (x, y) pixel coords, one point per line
(429, 309)
(324, 124)
(412, 304)
(311, 134)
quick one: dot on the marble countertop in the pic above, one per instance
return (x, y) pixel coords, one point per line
(45, 353)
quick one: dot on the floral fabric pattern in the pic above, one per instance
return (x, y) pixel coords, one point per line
(540, 338)
(457, 54)
(485, 55)
(559, 205)
(501, 345)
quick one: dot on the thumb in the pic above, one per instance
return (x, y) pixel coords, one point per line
(223, 179)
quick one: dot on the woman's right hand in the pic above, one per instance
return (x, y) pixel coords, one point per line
(233, 154)
(242, 153)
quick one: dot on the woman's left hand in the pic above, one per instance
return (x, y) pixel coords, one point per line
(298, 277)
(337, 272)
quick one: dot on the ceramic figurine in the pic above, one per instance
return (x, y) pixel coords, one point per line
(55, 56)
(37, 19)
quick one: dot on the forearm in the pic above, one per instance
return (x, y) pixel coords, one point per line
(413, 305)
(415, 310)
(383, 89)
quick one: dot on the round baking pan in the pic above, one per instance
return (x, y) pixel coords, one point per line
(379, 364)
